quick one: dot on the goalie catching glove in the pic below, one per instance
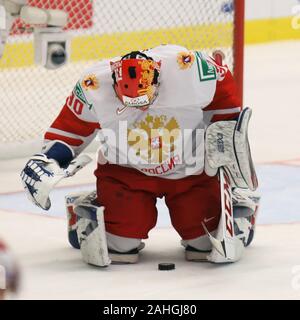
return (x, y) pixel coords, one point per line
(42, 173)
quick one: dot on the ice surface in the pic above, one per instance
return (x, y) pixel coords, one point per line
(53, 270)
(279, 185)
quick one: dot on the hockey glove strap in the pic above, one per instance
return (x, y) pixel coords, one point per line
(60, 152)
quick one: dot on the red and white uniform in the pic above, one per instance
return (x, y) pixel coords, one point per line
(194, 91)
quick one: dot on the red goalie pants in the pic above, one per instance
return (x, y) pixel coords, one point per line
(129, 198)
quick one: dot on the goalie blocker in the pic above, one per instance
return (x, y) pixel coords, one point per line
(227, 145)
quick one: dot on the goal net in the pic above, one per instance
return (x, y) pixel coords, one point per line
(31, 96)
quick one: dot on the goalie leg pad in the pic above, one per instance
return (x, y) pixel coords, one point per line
(247, 200)
(245, 210)
(91, 230)
(235, 230)
(98, 247)
(226, 246)
(72, 217)
(92, 239)
(227, 145)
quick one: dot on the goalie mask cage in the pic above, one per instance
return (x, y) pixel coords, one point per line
(31, 96)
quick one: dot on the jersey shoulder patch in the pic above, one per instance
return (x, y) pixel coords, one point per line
(209, 69)
(80, 94)
(93, 77)
(206, 69)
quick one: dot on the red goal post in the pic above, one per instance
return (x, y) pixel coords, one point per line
(238, 45)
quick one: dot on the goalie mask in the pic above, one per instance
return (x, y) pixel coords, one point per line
(136, 79)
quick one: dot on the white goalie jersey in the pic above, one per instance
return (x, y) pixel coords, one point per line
(165, 140)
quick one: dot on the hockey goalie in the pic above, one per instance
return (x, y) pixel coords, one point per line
(169, 124)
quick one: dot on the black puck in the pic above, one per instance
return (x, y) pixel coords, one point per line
(166, 266)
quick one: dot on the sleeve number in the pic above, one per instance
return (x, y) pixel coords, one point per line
(76, 104)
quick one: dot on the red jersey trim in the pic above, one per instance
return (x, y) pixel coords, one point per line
(70, 141)
(69, 122)
(226, 96)
(224, 117)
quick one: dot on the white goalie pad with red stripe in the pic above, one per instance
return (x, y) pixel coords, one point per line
(226, 246)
